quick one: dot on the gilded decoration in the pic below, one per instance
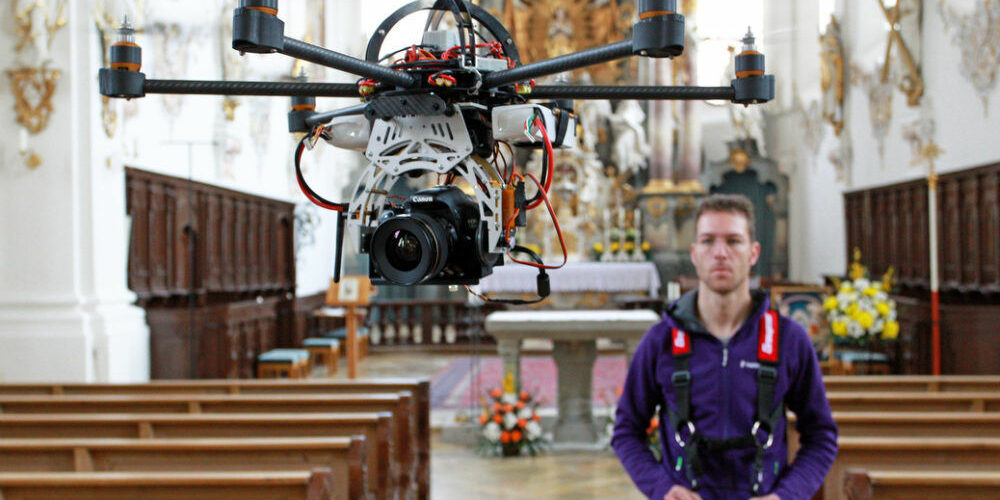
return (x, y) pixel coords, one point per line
(920, 135)
(832, 75)
(36, 22)
(548, 28)
(903, 19)
(33, 89)
(879, 94)
(976, 36)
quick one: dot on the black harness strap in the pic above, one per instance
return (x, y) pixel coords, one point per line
(680, 420)
(767, 377)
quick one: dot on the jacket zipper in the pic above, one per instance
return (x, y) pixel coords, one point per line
(725, 355)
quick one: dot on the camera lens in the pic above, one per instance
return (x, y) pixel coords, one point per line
(409, 248)
(403, 250)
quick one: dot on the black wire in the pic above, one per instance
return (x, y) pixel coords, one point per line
(541, 272)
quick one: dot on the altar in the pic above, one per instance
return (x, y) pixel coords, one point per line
(585, 285)
(574, 335)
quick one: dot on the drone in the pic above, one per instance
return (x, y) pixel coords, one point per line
(444, 106)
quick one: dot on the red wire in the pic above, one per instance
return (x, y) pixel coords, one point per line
(305, 189)
(558, 231)
(551, 165)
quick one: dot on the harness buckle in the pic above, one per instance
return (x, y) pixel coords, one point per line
(681, 378)
(767, 373)
(677, 434)
(770, 435)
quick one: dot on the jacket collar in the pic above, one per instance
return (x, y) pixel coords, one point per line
(684, 311)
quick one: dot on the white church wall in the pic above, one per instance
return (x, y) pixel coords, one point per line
(965, 127)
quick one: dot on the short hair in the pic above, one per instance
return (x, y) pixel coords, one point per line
(732, 203)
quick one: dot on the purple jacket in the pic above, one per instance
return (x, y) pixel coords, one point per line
(723, 405)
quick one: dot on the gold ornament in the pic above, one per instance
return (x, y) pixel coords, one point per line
(33, 89)
(24, 23)
(109, 117)
(911, 83)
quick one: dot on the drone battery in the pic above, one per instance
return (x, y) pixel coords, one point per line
(487, 64)
(511, 124)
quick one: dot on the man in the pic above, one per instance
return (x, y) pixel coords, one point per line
(722, 368)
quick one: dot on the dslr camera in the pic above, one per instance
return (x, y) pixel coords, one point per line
(437, 237)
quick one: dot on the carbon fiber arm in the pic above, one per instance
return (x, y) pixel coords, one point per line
(559, 64)
(343, 62)
(631, 92)
(250, 88)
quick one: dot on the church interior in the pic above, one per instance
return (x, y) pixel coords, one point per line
(184, 313)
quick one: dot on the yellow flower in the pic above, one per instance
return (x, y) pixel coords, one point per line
(839, 328)
(846, 286)
(645, 246)
(615, 246)
(599, 247)
(870, 291)
(830, 303)
(865, 319)
(851, 310)
(882, 308)
(890, 330)
(629, 246)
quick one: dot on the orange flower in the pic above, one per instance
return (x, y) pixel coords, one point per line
(525, 396)
(519, 405)
(498, 418)
(515, 436)
(508, 408)
(505, 437)
(535, 417)
(496, 393)
(522, 423)
(618, 392)
(497, 407)
(483, 419)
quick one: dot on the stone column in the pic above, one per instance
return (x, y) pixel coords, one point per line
(65, 311)
(575, 362)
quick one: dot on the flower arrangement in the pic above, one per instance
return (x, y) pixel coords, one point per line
(510, 424)
(861, 309)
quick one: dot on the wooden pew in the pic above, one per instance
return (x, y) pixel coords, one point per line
(912, 383)
(908, 453)
(932, 424)
(315, 485)
(905, 424)
(915, 401)
(403, 424)
(419, 387)
(921, 485)
(345, 457)
(375, 427)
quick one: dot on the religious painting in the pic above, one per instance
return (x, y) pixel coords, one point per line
(804, 305)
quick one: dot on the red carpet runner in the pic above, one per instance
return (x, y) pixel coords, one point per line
(452, 386)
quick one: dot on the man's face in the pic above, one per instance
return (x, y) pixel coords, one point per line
(722, 252)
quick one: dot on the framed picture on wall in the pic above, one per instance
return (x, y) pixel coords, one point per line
(804, 304)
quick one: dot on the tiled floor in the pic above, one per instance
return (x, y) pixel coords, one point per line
(457, 472)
